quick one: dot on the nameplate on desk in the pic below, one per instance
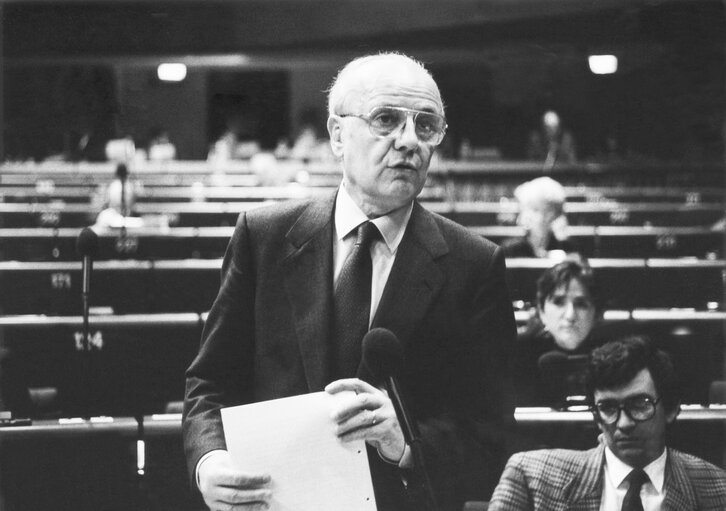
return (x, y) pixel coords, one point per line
(80, 420)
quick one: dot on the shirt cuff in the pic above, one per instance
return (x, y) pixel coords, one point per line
(406, 460)
(204, 458)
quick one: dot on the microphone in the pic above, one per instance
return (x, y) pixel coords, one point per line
(383, 357)
(552, 363)
(559, 372)
(122, 173)
(87, 248)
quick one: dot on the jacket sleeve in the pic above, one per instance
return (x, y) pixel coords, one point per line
(512, 492)
(222, 369)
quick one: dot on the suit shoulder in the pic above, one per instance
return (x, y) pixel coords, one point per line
(458, 235)
(278, 212)
(548, 461)
(702, 473)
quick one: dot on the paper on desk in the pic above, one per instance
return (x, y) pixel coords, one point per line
(293, 440)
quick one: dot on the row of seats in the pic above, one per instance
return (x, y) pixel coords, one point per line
(137, 286)
(200, 214)
(136, 363)
(231, 189)
(106, 463)
(482, 169)
(58, 244)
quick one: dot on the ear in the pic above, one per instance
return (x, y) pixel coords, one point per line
(670, 415)
(335, 130)
(601, 427)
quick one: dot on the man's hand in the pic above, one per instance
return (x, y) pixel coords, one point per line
(369, 415)
(225, 488)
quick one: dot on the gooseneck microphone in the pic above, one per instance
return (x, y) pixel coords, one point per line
(122, 174)
(383, 357)
(87, 248)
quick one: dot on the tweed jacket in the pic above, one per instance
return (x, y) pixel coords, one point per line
(560, 479)
(269, 335)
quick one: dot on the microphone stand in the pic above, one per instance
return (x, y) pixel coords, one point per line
(87, 394)
(85, 296)
(412, 438)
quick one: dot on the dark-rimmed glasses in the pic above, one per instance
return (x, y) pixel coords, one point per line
(384, 121)
(638, 408)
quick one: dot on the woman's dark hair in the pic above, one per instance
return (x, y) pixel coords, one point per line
(562, 274)
(617, 362)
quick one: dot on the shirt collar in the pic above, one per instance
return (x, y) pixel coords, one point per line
(348, 216)
(618, 471)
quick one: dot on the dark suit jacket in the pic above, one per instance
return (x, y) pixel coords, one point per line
(268, 335)
(560, 479)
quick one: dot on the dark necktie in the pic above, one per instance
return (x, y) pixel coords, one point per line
(353, 303)
(632, 501)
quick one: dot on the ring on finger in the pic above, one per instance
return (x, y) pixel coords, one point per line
(373, 417)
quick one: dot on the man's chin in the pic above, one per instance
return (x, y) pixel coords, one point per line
(630, 452)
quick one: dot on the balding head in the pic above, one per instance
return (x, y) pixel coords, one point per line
(365, 74)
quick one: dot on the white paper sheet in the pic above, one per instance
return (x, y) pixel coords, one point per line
(293, 440)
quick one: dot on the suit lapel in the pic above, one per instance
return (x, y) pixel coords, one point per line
(585, 492)
(415, 278)
(308, 284)
(679, 491)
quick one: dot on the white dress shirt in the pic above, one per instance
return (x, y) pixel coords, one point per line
(348, 216)
(614, 485)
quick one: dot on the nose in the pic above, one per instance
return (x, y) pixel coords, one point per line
(624, 422)
(569, 310)
(407, 139)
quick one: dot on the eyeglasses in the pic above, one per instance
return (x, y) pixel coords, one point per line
(384, 121)
(638, 408)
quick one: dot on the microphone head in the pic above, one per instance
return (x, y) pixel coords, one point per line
(552, 360)
(382, 353)
(87, 243)
(122, 171)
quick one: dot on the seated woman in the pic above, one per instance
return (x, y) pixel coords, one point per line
(551, 351)
(541, 214)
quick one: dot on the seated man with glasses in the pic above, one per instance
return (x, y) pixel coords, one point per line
(633, 392)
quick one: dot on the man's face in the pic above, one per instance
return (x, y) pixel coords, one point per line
(636, 443)
(384, 173)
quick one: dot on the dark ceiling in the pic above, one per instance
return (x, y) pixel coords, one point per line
(36, 29)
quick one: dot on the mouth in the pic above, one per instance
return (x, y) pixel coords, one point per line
(405, 166)
(628, 443)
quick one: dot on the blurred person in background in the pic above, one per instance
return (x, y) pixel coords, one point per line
(541, 214)
(551, 143)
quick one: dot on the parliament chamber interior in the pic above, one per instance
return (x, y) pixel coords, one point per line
(95, 134)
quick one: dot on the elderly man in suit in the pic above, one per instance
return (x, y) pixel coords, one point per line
(280, 325)
(634, 395)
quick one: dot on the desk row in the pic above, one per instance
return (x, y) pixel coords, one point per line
(227, 188)
(136, 363)
(48, 244)
(190, 285)
(200, 214)
(121, 463)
